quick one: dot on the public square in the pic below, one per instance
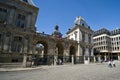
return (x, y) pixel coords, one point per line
(95, 71)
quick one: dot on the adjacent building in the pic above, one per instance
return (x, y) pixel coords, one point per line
(107, 44)
(82, 33)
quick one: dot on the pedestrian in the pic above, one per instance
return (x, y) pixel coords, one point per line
(60, 62)
(113, 64)
(109, 64)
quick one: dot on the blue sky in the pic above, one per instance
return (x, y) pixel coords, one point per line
(97, 13)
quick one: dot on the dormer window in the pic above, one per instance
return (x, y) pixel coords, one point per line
(25, 0)
(83, 24)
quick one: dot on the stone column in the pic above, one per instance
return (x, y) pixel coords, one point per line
(86, 52)
(28, 20)
(86, 59)
(99, 58)
(94, 59)
(55, 56)
(24, 60)
(25, 46)
(105, 57)
(31, 45)
(55, 60)
(78, 50)
(6, 43)
(72, 59)
(86, 37)
(92, 52)
(10, 43)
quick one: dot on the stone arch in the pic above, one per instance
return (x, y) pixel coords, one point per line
(42, 57)
(45, 44)
(60, 50)
(72, 50)
(72, 53)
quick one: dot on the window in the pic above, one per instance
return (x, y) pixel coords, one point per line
(17, 44)
(20, 22)
(0, 36)
(21, 17)
(83, 24)
(0, 39)
(16, 47)
(83, 36)
(18, 39)
(75, 35)
(89, 38)
(3, 10)
(3, 15)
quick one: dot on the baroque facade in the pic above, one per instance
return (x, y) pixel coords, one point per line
(82, 33)
(107, 44)
(17, 26)
(20, 43)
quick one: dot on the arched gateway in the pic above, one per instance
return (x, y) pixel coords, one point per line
(53, 48)
(20, 43)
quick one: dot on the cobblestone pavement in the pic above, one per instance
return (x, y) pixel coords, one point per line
(66, 72)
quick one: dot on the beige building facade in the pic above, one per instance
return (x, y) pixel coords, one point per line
(82, 33)
(107, 44)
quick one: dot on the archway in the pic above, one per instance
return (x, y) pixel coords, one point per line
(41, 53)
(59, 47)
(72, 53)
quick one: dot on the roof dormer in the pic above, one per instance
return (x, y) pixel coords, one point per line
(28, 2)
(80, 21)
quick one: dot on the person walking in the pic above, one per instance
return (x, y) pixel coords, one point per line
(109, 64)
(113, 63)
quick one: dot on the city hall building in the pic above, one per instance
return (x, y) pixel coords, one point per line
(17, 26)
(107, 44)
(21, 43)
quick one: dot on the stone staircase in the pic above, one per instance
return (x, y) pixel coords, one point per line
(10, 65)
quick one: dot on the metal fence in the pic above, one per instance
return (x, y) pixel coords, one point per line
(49, 59)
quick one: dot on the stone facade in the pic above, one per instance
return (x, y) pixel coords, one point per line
(17, 26)
(19, 41)
(82, 33)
